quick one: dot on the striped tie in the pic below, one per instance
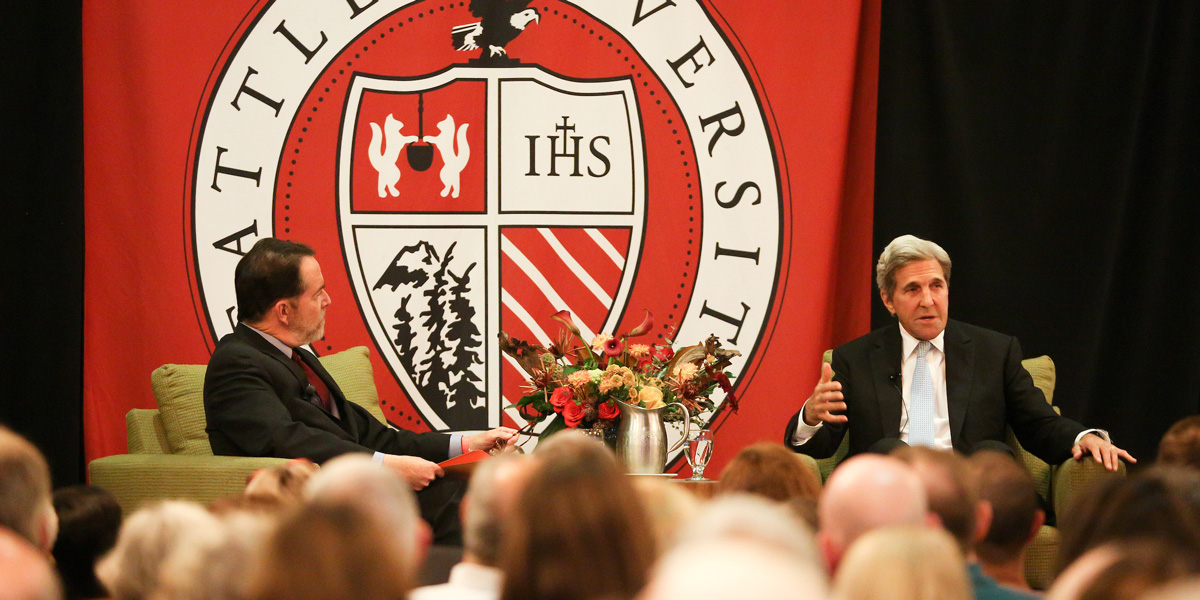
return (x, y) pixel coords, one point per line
(920, 403)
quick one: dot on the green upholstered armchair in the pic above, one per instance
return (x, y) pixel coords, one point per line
(1059, 485)
(169, 456)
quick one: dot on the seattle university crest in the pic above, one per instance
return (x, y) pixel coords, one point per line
(464, 168)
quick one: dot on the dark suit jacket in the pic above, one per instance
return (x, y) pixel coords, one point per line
(255, 404)
(986, 389)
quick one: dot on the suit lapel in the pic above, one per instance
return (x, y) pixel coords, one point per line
(960, 367)
(885, 373)
(255, 339)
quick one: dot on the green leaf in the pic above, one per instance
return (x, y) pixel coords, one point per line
(558, 424)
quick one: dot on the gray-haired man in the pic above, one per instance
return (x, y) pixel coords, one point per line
(928, 380)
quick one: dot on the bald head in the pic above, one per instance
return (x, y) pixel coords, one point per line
(864, 493)
(25, 571)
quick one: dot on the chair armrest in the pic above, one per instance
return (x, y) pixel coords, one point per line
(140, 479)
(144, 429)
(1073, 478)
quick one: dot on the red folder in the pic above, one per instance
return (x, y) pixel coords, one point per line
(464, 465)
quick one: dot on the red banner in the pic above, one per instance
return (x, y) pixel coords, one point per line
(463, 168)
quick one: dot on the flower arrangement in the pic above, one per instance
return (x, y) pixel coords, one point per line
(582, 385)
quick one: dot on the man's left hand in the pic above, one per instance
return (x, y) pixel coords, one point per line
(492, 442)
(1104, 452)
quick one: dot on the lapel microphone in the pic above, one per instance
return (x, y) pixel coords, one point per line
(313, 396)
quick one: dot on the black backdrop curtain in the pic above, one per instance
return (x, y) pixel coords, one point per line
(1053, 149)
(41, 230)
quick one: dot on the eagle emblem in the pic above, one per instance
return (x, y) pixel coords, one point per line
(501, 22)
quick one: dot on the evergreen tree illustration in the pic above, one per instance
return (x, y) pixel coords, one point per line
(434, 379)
(404, 335)
(464, 337)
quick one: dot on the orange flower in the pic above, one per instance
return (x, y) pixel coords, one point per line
(686, 372)
(599, 341)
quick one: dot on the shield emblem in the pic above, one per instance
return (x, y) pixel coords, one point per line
(533, 202)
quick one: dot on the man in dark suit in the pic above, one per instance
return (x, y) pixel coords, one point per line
(927, 380)
(265, 395)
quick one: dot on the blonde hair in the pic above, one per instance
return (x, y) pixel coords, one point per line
(147, 539)
(904, 563)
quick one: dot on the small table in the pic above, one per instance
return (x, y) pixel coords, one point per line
(702, 489)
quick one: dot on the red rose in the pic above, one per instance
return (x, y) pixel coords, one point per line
(664, 353)
(573, 414)
(561, 397)
(609, 410)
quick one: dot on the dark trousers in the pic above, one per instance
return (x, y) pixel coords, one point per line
(439, 503)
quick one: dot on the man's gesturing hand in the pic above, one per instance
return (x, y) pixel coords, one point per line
(418, 472)
(1104, 452)
(826, 398)
(495, 440)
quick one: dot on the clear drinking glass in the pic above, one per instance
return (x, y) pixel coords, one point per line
(699, 450)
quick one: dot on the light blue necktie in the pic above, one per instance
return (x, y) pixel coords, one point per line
(920, 401)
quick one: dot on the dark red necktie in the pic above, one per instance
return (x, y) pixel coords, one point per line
(318, 385)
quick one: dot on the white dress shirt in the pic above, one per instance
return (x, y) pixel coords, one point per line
(468, 581)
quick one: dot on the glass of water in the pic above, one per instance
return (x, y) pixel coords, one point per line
(699, 450)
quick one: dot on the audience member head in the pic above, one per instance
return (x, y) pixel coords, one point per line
(578, 530)
(24, 571)
(89, 519)
(1181, 444)
(867, 492)
(1010, 491)
(148, 537)
(329, 551)
(25, 503)
(743, 568)
(743, 516)
(669, 507)
(1152, 505)
(285, 482)
(1182, 589)
(216, 566)
(354, 480)
(952, 492)
(1124, 571)
(903, 563)
(489, 500)
(770, 470)
(268, 273)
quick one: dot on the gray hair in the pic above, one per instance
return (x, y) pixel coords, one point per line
(902, 251)
(755, 519)
(147, 539)
(354, 480)
(487, 501)
(217, 564)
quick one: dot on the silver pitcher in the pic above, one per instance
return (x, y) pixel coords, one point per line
(642, 438)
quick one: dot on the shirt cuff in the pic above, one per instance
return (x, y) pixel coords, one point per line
(804, 431)
(457, 442)
(1100, 432)
(377, 458)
